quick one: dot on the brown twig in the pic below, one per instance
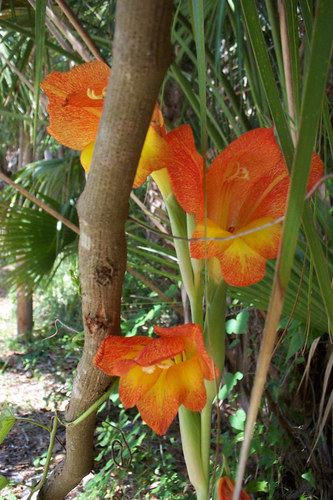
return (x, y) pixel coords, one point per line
(80, 30)
(40, 203)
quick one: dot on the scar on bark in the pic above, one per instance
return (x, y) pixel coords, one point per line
(97, 323)
(105, 272)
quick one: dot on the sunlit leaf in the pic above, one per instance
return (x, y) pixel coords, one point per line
(7, 420)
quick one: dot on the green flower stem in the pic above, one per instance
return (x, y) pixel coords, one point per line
(197, 264)
(215, 342)
(177, 219)
(206, 419)
(196, 300)
(214, 328)
(197, 267)
(190, 430)
(191, 272)
(91, 408)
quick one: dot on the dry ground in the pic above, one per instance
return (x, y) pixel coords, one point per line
(28, 397)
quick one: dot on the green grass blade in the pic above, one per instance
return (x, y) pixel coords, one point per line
(214, 131)
(292, 27)
(199, 38)
(312, 102)
(19, 116)
(267, 77)
(40, 14)
(273, 17)
(319, 262)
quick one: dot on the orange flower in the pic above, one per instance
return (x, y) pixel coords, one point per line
(159, 374)
(76, 101)
(225, 489)
(247, 187)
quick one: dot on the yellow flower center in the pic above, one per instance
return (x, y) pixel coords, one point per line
(166, 363)
(91, 94)
(240, 173)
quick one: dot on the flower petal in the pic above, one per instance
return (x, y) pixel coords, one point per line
(74, 117)
(242, 259)
(208, 249)
(265, 242)
(225, 489)
(59, 85)
(162, 179)
(159, 374)
(135, 383)
(73, 127)
(186, 171)
(316, 172)
(115, 348)
(159, 406)
(242, 266)
(156, 154)
(195, 346)
(181, 384)
(160, 350)
(187, 382)
(234, 172)
(86, 156)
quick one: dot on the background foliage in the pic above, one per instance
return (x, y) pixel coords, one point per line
(225, 80)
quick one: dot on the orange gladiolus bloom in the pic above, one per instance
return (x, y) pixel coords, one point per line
(76, 101)
(225, 489)
(159, 374)
(247, 187)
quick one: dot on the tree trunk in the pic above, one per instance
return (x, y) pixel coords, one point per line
(141, 56)
(24, 308)
(24, 312)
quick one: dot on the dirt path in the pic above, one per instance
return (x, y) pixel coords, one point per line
(30, 390)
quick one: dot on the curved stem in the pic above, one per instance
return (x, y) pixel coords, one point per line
(31, 421)
(48, 458)
(91, 408)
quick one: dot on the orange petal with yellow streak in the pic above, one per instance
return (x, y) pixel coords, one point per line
(242, 260)
(194, 346)
(183, 383)
(134, 384)
(243, 163)
(186, 171)
(159, 406)
(187, 381)
(203, 249)
(242, 266)
(266, 241)
(268, 197)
